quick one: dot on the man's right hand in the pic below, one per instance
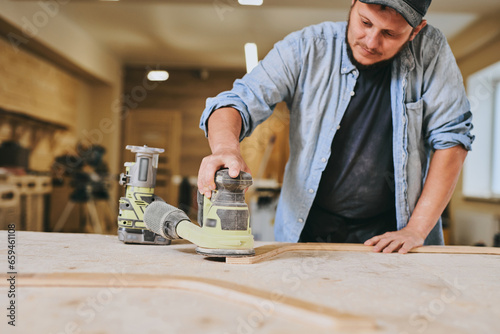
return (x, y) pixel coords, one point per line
(228, 158)
(224, 127)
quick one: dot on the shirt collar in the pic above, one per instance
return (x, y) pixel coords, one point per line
(406, 57)
(347, 65)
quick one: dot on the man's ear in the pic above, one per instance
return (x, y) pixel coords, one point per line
(417, 29)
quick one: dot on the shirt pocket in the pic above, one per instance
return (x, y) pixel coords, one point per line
(414, 112)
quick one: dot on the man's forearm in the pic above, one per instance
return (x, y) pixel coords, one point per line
(224, 128)
(441, 180)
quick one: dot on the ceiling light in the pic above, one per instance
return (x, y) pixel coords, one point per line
(158, 75)
(251, 56)
(250, 2)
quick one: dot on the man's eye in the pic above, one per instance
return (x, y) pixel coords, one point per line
(366, 23)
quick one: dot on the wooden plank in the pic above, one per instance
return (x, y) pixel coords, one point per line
(288, 307)
(264, 253)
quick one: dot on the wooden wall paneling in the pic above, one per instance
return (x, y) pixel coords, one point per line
(54, 106)
(35, 87)
(185, 91)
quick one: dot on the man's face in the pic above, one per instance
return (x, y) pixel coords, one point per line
(376, 34)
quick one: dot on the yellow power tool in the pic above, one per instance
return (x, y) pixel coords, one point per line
(139, 181)
(224, 219)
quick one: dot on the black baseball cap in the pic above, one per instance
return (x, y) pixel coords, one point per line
(412, 10)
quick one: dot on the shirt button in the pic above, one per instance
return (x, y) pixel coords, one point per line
(352, 93)
(338, 127)
(301, 220)
(311, 191)
(323, 159)
(344, 69)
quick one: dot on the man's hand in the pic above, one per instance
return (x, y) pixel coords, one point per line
(224, 127)
(401, 241)
(441, 180)
(227, 158)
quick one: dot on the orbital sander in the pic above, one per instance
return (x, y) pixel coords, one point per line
(224, 229)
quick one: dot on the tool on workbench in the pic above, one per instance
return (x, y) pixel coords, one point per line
(139, 181)
(224, 219)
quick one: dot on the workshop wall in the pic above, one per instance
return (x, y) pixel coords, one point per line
(476, 48)
(48, 107)
(37, 96)
(185, 91)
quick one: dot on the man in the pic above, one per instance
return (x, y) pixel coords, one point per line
(369, 102)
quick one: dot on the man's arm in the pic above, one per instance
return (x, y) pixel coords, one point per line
(438, 188)
(224, 127)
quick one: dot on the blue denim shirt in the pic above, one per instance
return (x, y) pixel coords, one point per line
(311, 71)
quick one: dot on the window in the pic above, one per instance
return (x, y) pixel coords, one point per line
(481, 176)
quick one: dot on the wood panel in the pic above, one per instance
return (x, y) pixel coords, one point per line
(35, 87)
(289, 308)
(186, 91)
(112, 287)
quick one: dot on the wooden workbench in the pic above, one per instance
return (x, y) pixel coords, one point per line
(82, 283)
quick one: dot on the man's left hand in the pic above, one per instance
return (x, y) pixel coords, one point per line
(401, 241)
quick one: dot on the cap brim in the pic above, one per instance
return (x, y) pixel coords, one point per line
(409, 14)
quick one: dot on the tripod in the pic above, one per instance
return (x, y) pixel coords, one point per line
(84, 200)
(89, 211)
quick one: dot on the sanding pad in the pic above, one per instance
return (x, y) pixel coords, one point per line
(221, 252)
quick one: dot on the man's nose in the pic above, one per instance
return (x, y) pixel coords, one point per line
(372, 39)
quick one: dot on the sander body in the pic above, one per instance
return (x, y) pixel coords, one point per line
(224, 229)
(224, 217)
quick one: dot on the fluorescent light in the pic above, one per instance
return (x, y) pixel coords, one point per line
(251, 56)
(250, 2)
(157, 75)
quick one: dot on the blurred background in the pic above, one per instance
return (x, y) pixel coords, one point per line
(74, 91)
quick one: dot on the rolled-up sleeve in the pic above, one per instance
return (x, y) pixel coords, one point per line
(456, 132)
(256, 94)
(447, 116)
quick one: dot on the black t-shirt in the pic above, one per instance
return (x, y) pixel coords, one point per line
(355, 198)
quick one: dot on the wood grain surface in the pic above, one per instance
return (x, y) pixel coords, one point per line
(293, 309)
(264, 253)
(94, 284)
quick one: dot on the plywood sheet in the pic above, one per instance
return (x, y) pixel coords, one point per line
(415, 293)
